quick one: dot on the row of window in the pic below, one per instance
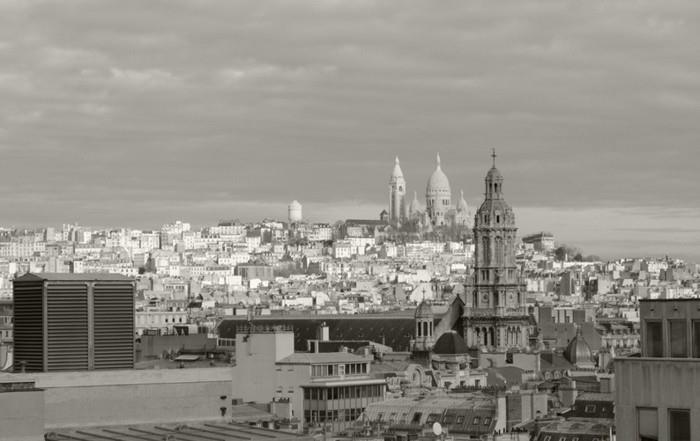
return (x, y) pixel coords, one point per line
(648, 424)
(334, 370)
(328, 416)
(487, 218)
(485, 274)
(459, 420)
(445, 203)
(564, 438)
(677, 338)
(342, 392)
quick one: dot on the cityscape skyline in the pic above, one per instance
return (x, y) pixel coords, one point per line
(349, 220)
(597, 138)
(625, 225)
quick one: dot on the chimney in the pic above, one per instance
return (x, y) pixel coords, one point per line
(323, 332)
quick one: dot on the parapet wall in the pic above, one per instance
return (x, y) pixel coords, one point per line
(133, 396)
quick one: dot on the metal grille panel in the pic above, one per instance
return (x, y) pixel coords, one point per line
(28, 326)
(67, 324)
(114, 325)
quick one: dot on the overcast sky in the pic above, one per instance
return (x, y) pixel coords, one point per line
(140, 113)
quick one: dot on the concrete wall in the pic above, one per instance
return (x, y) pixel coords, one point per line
(255, 373)
(155, 345)
(22, 415)
(132, 396)
(658, 383)
(289, 378)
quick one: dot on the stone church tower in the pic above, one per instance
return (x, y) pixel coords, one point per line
(397, 195)
(495, 314)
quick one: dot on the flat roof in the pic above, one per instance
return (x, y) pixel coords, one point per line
(72, 277)
(199, 431)
(322, 357)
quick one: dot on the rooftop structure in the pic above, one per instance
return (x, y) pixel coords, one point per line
(657, 395)
(204, 431)
(73, 322)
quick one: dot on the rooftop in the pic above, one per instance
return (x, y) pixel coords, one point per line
(204, 431)
(321, 357)
(70, 277)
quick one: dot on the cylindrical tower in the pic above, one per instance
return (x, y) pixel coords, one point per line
(397, 194)
(294, 212)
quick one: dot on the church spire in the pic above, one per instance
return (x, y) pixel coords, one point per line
(438, 160)
(397, 173)
(493, 157)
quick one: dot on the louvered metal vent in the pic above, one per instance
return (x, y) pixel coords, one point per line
(28, 329)
(114, 325)
(67, 323)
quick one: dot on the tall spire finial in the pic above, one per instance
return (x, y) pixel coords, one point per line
(493, 156)
(397, 160)
(461, 193)
(438, 159)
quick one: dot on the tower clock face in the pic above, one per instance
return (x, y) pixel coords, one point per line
(485, 299)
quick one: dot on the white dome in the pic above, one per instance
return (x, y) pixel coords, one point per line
(438, 182)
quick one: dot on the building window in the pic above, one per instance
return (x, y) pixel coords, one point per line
(654, 339)
(678, 336)
(647, 424)
(476, 421)
(696, 338)
(679, 424)
(590, 408)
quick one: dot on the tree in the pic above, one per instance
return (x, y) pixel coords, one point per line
(564, 252)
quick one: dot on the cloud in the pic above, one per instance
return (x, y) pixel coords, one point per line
(143, 78)
(591, 105)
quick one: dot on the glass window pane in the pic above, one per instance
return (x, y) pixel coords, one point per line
(696, 339)
(678, 338)
(654, 341)
(679, 425)
(647, 424)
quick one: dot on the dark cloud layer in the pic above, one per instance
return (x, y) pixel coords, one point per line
(121, 112)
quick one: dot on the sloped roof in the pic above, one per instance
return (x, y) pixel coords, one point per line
(392, 330)
(450, 343)
(71, 277)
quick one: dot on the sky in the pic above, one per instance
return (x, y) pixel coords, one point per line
(125, 113)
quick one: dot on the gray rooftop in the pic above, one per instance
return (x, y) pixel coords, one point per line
(204, 431)
(70, 277)
(322, 357)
